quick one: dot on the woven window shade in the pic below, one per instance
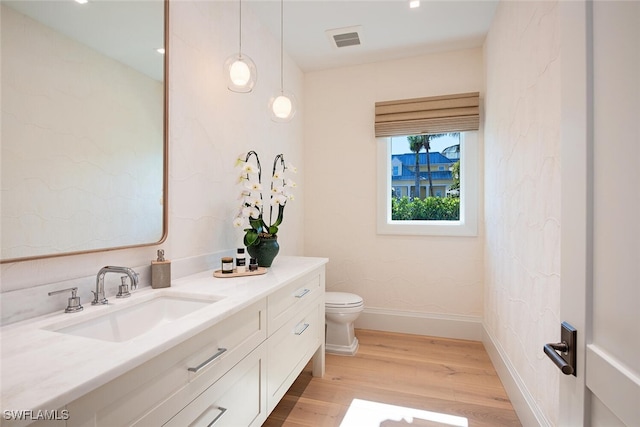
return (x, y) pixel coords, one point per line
(436, 114)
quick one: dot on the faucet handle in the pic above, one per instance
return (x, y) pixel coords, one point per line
(123, 290)
(73, 305)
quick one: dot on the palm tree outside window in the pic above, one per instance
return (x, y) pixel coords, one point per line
(416, 144)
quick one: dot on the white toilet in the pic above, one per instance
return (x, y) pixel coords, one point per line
(341, 310)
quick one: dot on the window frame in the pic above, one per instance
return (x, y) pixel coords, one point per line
(467, 225)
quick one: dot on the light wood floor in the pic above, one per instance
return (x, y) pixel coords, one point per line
(439, 375)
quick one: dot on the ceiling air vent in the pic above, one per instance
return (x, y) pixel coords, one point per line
(343, 37)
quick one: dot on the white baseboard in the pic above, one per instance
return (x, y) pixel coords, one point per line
(523, 402)
(431, 324)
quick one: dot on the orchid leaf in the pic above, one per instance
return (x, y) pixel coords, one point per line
(251, 238)
(257, 224)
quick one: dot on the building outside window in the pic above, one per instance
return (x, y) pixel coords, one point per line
(446, 201)
(439, 169)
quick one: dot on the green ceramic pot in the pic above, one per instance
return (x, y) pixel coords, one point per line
(265, 251)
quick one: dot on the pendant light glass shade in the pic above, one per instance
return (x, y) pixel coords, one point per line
(241, 73)
(282, 107)
(240, 69)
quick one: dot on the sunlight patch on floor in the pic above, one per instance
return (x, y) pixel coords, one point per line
(365, 413)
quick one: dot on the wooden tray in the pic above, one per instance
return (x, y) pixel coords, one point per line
(219, 273)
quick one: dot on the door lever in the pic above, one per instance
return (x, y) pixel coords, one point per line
(566, 359)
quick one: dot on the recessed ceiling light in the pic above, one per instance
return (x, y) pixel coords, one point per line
(82, 1)
(414, 3)
(160, 50)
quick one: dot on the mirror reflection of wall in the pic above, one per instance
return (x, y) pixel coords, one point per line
(82, 135)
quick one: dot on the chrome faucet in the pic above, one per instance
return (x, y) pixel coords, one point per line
(99, 297)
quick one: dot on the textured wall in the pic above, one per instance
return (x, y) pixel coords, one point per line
(209, 127)
(522, 192)
(424, 274)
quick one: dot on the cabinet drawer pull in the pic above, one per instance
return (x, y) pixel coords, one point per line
(222, 411)
(208, 361)
(303, 293)
(300, 331)
(199, 423)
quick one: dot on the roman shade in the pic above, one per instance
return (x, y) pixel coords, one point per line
(436, 114)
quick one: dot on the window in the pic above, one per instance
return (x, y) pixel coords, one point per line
(401, 188)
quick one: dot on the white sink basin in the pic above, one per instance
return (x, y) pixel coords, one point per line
(134, 320)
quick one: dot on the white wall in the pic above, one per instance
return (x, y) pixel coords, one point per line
(522, 197)
(209, 127)
(416, 275)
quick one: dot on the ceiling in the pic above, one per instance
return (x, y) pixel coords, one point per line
(389, 29)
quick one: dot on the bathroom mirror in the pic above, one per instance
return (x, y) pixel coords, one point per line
(84, 126)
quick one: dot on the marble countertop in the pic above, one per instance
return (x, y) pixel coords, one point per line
(45, 370)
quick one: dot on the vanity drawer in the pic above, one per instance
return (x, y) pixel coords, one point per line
(289, 350)
(292, 298)
(234, 400)
(168, 382)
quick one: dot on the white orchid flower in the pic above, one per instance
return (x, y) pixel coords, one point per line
(241, 159)
(277, 190)
(279, 199)
(253, 186)
(277, 175)
(238, 221)
(292, 168)
(291, 183)
(255, 201)
(246, 211)
(286, 192)
(249, 167)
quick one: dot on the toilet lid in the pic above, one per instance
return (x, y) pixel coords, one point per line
(342, 299)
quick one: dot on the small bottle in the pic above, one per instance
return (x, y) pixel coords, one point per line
(253, 264)
(160, 271)
(227, 265)
(241, 261)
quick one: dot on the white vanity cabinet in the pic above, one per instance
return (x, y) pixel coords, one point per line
(232, 374)
(296, 333)
(151, 394)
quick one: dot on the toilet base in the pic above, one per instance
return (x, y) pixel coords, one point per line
(343, 350)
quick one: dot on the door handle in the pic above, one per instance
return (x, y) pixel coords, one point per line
(566, 359)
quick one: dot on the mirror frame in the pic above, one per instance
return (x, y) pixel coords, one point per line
(165, 167)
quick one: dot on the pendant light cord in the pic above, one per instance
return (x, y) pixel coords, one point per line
(281, 46)
(240, 30)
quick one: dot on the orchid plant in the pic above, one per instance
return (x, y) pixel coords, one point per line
(251, 213)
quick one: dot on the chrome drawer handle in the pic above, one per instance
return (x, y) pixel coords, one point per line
(222, 411)
(303, 293)
(208, 361)
(304, 328)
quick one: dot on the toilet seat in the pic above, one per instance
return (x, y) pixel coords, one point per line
(342, 300)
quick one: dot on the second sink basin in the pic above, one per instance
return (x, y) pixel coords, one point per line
(135, 320)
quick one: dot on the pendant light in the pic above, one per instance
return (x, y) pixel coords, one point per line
(282, 107)
(240, 70)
